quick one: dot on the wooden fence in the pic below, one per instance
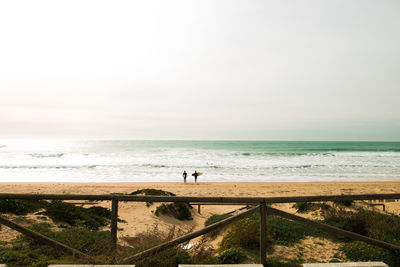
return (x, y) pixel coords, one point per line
(259, 203)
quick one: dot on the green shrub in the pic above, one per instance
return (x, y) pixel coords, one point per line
(373, 224)
(151, 192)
(370, 223)
(232, 256)
(344, 202)
(244, 233)
(360, 251)
(92, 218)
(286, 232)
(272, 262)
(179, 210)
(151, 238)
(91, 242)
(216, 218)
(84, 240)
(168, 258)
(304, 207)
(22, 258)
(21, 206)
(26, 251)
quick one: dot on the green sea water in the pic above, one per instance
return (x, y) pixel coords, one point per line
(125, 160)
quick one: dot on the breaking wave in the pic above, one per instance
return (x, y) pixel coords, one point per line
(48, 167)
(38, 155)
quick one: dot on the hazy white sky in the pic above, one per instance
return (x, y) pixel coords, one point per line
(299, 70)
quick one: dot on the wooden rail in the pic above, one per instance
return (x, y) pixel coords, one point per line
(261, 208)
(230, 200)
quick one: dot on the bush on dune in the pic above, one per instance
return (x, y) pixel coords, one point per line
(151, 192)
(231, 256)
(286, 232)
(245, 233)
(365, 222)
(21, 206)
(216, 218)
(92, 218)
(168, 258)
(178, 210)
(304, 207)
(385, 227)
(91, 242)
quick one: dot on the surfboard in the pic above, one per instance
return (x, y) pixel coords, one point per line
(198, 173)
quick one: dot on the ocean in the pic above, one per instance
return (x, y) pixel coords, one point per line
(219, 161)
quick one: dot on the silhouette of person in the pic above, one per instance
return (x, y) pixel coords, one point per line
(184, 176)
(195, 174)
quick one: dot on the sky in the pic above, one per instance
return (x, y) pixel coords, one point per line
(248, 70)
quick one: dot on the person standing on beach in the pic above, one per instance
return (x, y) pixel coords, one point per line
(184, 176)
(195, 174)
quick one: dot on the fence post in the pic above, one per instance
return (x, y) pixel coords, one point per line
(263, 234)
(114, 227)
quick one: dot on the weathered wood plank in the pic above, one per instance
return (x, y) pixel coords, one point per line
(114, 227)
(87, 265)
(220, 265)
(222, 200)
(347, 264)
(263, 234)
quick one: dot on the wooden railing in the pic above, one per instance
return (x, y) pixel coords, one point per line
(259, 203)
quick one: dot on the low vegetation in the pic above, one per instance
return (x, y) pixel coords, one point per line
(304, 207)
(345, 203)
(286, 232)
(216, 218)
(245, 233)
(151, 192)
(231, 256)
(92, 218)
(178, 210)
(60, 212)
(385, 227)
(21, 206)
(25, 251)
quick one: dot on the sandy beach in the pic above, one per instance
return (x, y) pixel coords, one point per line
(240, 189)
(209, 189)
